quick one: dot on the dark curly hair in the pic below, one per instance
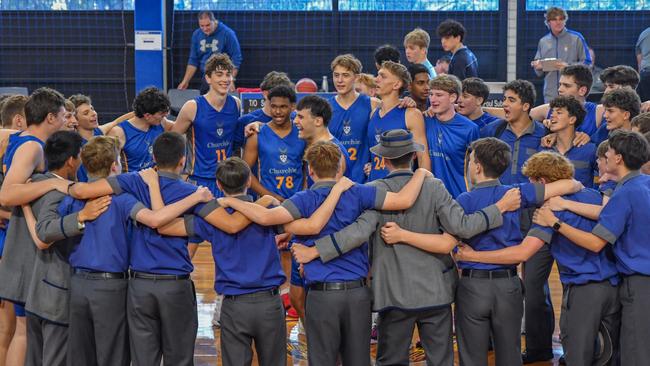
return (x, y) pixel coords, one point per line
(150, 100)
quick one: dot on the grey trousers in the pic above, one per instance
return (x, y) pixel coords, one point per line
(635, 323)
(485, 306)
(584, 307)
(538, 313)
(47, 342)
(338, 322)
(259, 318)
(162, 321)
(98, 332)
(395, 332)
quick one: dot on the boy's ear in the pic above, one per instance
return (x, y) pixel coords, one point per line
(248, 183)
(181, 162)
(219, 186)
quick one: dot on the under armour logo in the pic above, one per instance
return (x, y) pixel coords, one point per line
(212, 46)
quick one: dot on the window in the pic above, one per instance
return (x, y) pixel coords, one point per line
(419, 5)
(577, 5)
(254, 5)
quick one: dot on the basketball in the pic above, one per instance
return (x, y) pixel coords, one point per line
(306, 85)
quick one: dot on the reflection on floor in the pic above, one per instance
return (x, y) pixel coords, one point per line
(207, 342)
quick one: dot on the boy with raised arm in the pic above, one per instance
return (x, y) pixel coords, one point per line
(589, 279)
(338, 301)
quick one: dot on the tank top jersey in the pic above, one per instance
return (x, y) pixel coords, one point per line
(394, 119)
(15, 141)
(82, 174)
(280, 161)
(211, 137)
(137, 153)
(588, 125)
(349, 126)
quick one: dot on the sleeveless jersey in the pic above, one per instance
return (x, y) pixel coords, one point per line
(280, 161)
(137, 153)
(82, 174)
(394, 119)
(15, 141)
(211, 136)
(349, 126)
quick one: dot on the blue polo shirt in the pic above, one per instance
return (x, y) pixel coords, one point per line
(623, 222)
(239, 271)
(488, 193)
(522, 147)
(352, 265)
(607, 188)
(448, 143)
(576, 264)
(150, 251)
(583, 159)
(105, 244)
(485, 119)
(601, 134)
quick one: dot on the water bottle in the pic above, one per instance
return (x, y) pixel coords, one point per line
(323, 86)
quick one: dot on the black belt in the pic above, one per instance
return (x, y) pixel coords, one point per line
(485, 273)
(252, 295)
(91, 275)
(157, 277)
(337, 286)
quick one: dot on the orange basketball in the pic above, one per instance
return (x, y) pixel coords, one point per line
(306, 85)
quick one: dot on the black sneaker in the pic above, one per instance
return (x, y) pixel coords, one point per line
(536, 356)
(562, 360)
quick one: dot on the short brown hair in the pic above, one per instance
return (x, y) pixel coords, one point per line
(218, 61)
(324, 158)
(349, 62)
(418, 37)
(400, 71)
(69, 106)
(493, 154)
(642, 122)
(79, 99)
(448, 83)
(275, 78)
(12, 106)
(548, 165)
(554, 12)
(99, 154)
(367, 80)
(602, 149)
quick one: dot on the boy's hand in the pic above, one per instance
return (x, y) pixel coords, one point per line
(93, 208)
(581, 139)
(577, 186)
(252, 128)
(429, 113)
(366, 169)
(149, 176)
(60, 185)
(274, 201)
(424, 172)
(282, 240)
(556, 203)
(510, 201)
(407, 102)
(304, 254)
(224, 202)
(549, 140)
(203, 194)
(392, 233)
(464, 253)
(343, 184)
(544, 217)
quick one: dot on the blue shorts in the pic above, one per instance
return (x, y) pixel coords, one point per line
(210, 183)
(19, 310)
(296, 280)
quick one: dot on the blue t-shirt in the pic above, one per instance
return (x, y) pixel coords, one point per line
(430, 69)
(522, 147)
(463, 64)
(280, 161)
(601, 134)
(576, 264)
(137, 153)
(247, 261)
(623, 222)
(150, 251)
(82, 174)
(105, 244)
(393, 120)
(349, 126)
(223, 40)
(509, 234)
(213, 135)
(352, 265)
(583, 159)
(448, 143)
(607, 188)
(484, 120)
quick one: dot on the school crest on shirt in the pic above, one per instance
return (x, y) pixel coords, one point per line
(283, 156)
(212, 46)
(219, 129)
(378, 134)
(346, 127)
(439, 138)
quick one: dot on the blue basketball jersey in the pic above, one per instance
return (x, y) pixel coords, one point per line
(82, 174)
(212, 135)
(16, 141)
(394, 119)
(137, 153)
(349, 126)
(280, 161)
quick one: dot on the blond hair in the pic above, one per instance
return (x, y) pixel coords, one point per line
(448, 83)
(347, 61)
(400, 71)
(418, 37)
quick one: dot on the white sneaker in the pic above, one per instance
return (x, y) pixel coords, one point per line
(216, 316)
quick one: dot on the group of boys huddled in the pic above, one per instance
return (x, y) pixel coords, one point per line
(98, 249)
